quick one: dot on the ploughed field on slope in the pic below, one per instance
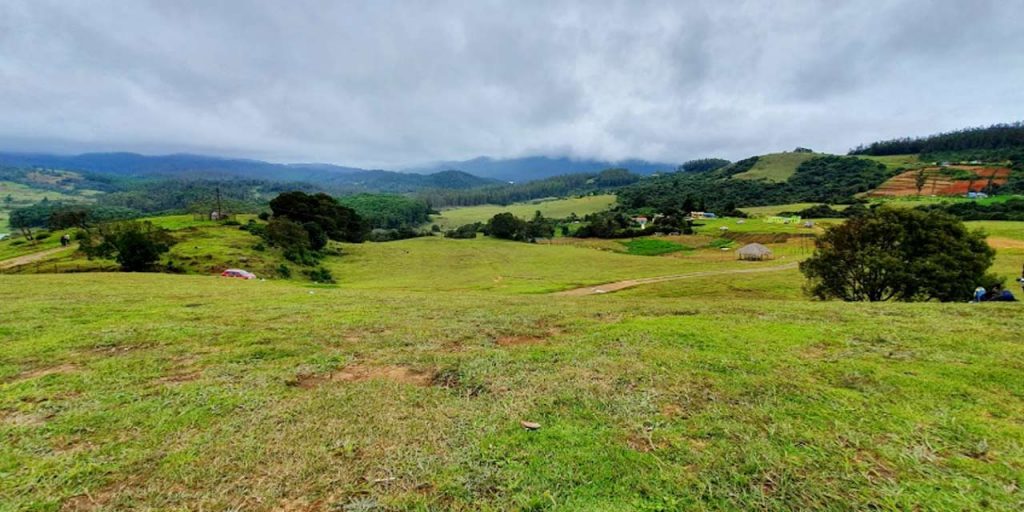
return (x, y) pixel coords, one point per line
(952, 180)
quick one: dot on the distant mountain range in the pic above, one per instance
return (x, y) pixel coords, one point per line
(454, 174)
(330, 177)
(540, 167)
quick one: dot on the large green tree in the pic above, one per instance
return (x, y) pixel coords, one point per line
(337, 222)
(898, 254)
(135, 245)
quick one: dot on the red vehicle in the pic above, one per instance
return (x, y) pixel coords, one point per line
(238, 273)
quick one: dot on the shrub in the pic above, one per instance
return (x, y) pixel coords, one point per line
(284, 271)
(321, 275)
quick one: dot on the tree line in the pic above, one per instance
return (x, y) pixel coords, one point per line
(1008, 136)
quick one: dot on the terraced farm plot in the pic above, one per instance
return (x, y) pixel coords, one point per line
(941, 181)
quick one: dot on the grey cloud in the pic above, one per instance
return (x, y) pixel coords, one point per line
(398, 83)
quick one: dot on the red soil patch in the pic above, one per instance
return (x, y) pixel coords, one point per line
(359, 373)
(938, 184)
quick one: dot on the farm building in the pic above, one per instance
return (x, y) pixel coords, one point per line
(754, 252)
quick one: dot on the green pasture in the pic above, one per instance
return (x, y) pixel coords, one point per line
(776, 167)
(551, 208)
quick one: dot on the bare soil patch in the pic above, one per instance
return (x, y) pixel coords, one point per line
(360, 373)
(1005, 243)
(43, 372)
(22, 419)
(514, 341)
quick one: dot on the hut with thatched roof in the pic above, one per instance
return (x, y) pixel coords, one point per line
(754, 252)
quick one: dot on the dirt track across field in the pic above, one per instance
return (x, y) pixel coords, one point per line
(629, 283)
(31, 258)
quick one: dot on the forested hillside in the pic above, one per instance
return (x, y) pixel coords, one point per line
(831, 179)
(999, 141)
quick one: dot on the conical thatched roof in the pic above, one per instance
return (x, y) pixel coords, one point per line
(754, 251)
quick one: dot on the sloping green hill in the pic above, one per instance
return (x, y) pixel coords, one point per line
(776, 167)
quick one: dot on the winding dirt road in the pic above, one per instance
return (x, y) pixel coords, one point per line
(629, 283)
(28, 259)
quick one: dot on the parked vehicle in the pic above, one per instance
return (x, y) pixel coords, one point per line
(238, 273)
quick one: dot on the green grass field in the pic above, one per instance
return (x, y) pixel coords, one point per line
(404, 386)
(554, 208)
(776, 167)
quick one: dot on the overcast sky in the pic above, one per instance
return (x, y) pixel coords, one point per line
(390, 84)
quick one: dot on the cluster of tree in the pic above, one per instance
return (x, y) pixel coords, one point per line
(390, 235)
(899, 254)
(54, 215)
(135, 245)
(995, 137)
(557, 186)
(830, 179)
(302, 224)
(1012, 209)
(509, 227)
(704, 165)
(618, 224)
(383, 211)
(467, 231)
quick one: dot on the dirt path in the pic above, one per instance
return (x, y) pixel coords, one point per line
(629, 283)
(32, 258)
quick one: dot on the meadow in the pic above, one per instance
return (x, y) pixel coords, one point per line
(776, 167)
(551, 208)
(404, 387)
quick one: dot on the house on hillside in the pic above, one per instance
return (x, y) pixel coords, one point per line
(642, 221)
(754, 252)
(702, 215)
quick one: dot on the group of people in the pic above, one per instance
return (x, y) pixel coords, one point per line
(997, 293)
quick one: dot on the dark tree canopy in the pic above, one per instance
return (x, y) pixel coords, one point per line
(384, 211)
(704, 165)
(337, 222)
(898, 254)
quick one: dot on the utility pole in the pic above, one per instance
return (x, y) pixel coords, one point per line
(220, 209)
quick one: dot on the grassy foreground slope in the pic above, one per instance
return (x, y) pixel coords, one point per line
(404, 387)
(173, 398)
